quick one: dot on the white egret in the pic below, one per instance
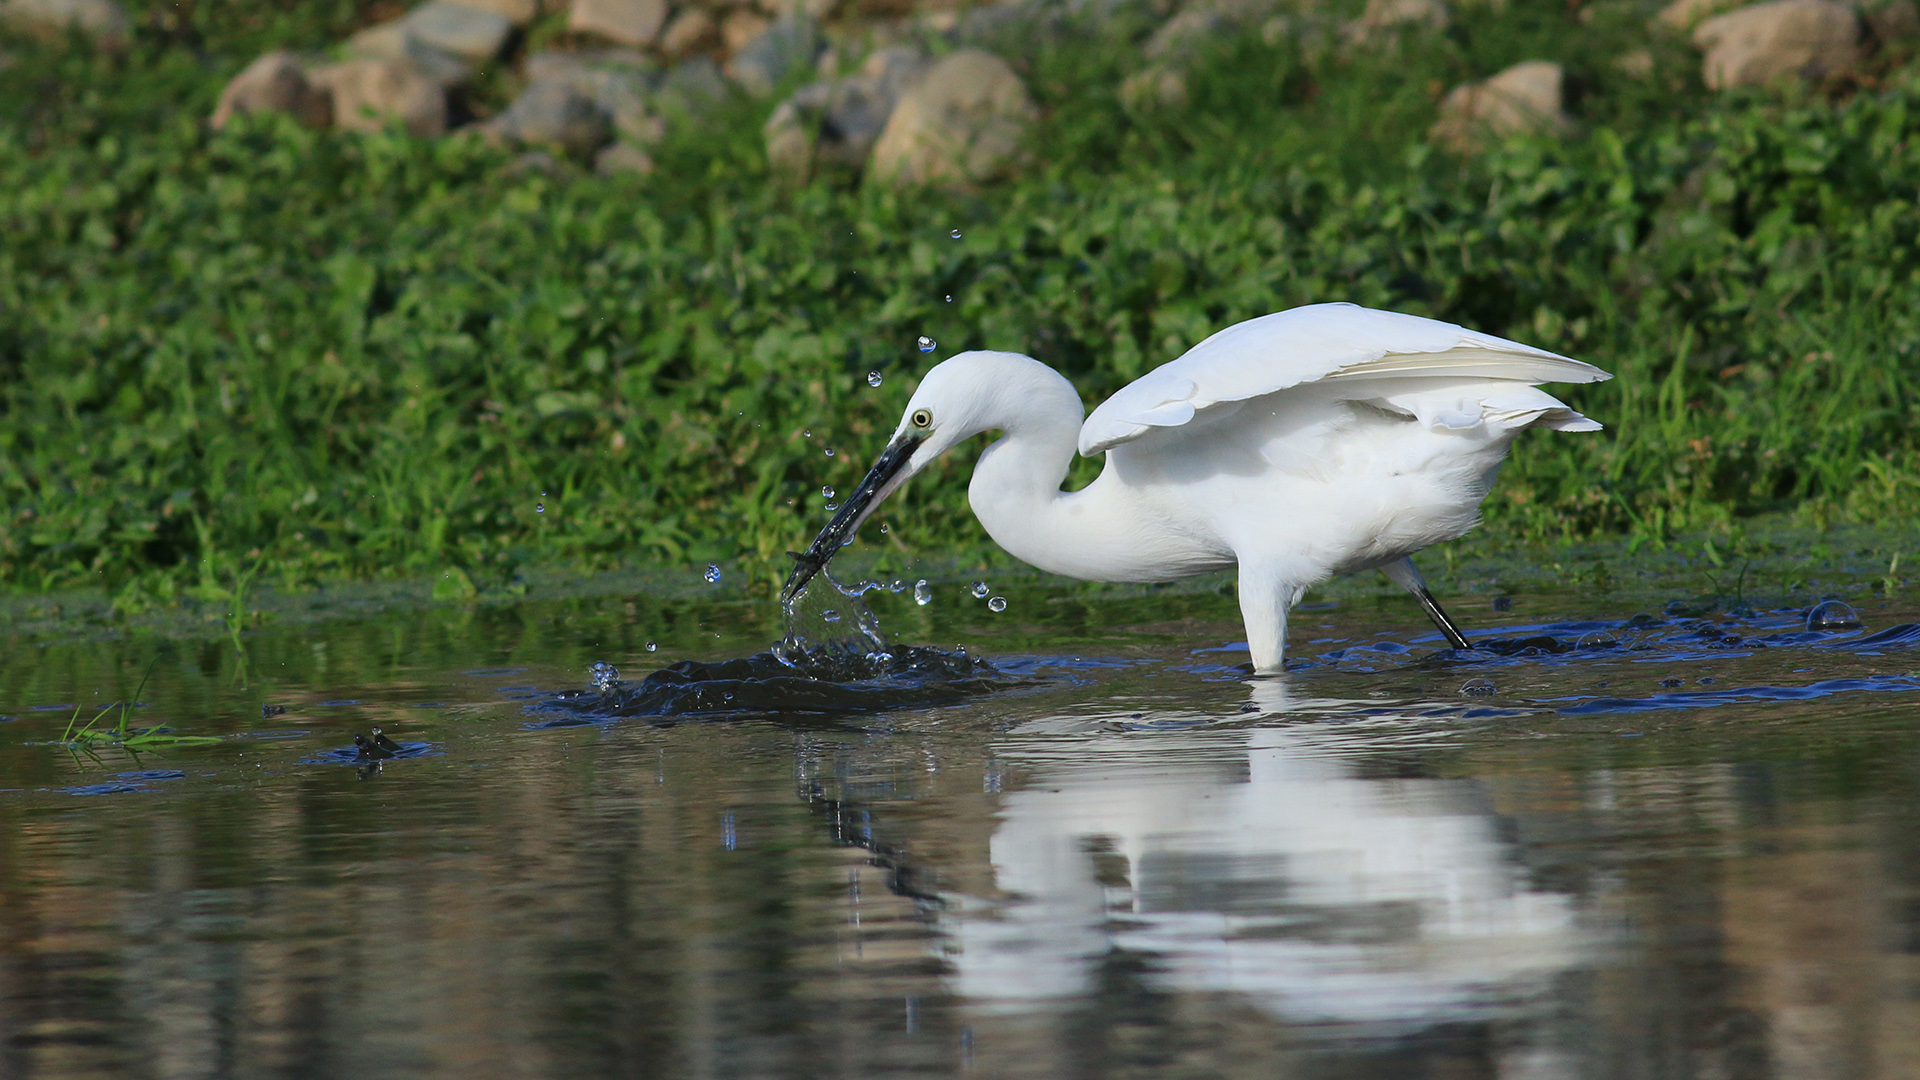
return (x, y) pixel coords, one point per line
(1316, 441)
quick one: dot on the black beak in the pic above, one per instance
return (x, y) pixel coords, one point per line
(887, 473)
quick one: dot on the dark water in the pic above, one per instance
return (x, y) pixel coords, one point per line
(1683, 845)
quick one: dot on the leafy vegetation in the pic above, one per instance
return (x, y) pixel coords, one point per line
(319, 355)
(122, 734)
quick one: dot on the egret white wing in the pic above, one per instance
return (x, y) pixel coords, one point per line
(1308, 344)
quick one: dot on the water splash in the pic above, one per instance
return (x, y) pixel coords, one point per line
(603, 675)
(1832, 615)
(818, 634)
(906, 677)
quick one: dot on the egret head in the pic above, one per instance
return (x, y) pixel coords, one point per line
(961, 397)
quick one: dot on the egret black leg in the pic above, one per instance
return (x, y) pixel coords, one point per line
(1404, 574)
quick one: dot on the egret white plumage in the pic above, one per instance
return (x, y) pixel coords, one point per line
(1321, 440)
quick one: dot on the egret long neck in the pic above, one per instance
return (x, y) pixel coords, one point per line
(1085, 534)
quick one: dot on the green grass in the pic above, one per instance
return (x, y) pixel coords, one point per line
(122, 734)
(313, 356)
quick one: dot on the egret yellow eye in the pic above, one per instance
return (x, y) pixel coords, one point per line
(922, 419)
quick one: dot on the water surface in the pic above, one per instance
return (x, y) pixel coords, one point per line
(1682, 845)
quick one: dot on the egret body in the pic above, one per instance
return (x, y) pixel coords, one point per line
(1316, 441)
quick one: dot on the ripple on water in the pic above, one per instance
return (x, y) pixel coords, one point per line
(1688, 635)
(357, 755)
(127, 783)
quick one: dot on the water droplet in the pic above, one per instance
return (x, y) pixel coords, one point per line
(829, 615)
(949, 298)
(834, 506)
(885, 528)
(539, 508)
(922, 593)
(998, 603)
(1832, 615)
(604, 675)
(651, 646)
(1598, 639)
(873, 378)
(926, 343)
(826, 492)
(980, 590)
(829, 451)
(1479, 687)
(955, 234)
(806, 434)
(713, 574)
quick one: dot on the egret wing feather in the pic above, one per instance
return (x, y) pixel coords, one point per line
(1307, 344)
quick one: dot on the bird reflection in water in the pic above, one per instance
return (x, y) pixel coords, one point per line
(1256, 862)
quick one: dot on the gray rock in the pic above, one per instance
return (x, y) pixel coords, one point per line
(276, 82)
(692, 88)
(1634, 63)
(590, 65)
(629, 22)
(1185, 31)
(369, 92)
(619, 82)
(740, 27)
(103, 20)
(1154, 85)
(1527, 97)
(1386, 19)
(1010, 25)
(816, 9)
(1782, 38)
(517, 12)
(459, 30)
(395, 41)
(1684, 15)
(554, 114)
(1895, 21)
(963, 123)
(790, 45)
(837, 122)
(690, 31)
(534, 163)
(623, 157)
